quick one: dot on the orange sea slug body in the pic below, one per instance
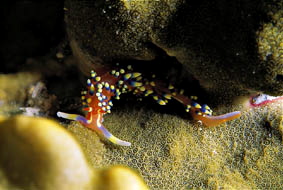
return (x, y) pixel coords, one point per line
(105, 84)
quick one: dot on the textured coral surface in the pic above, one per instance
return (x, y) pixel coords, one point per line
(169, 151)
(236, 44)
(174, 153)
(38, 153)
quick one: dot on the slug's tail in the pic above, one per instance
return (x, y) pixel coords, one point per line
(98, 126)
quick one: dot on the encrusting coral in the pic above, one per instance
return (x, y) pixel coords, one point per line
(231, 48)
(171, 152)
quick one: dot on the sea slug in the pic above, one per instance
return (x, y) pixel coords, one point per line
(106, 83)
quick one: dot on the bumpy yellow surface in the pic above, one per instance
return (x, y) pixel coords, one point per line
(174, 153)
(39, 154)
(270, 41)
(120, 178)
(168, 151)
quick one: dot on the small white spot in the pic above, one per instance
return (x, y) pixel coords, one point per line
(214, 152)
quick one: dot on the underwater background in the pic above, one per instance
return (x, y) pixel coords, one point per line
(228, 54)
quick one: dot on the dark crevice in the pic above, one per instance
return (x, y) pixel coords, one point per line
(279, 78)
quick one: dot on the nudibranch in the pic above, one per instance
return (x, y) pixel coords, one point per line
(105, 84)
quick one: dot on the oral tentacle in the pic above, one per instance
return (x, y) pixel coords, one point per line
(74, 117)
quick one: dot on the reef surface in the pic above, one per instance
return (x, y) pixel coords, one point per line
(223, 65)
(174, 152)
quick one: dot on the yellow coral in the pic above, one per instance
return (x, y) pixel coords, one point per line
(37, 153)
(271, 37)
(171, 152)
(120, 178)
